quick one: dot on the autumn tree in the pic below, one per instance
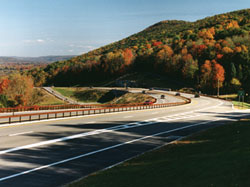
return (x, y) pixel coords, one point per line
(190, 66)
(218, 74)
(206, 73)
(4, 84)
(163, 58)
(19, 89)
(128, 56)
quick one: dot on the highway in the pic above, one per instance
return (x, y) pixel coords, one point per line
(54, 153)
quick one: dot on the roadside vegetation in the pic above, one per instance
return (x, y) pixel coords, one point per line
(18, 90)
(241, 105)
(216, 157)
(235, 100)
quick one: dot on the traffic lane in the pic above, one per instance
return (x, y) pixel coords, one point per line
(182, 107)
(68, 171)
(72, 127)
(103, 139)
(59, 151)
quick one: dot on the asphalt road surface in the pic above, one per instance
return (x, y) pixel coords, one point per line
(54, 153)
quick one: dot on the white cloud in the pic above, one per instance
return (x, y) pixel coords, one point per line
(40, 40)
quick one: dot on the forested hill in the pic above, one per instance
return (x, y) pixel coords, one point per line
(208, 52)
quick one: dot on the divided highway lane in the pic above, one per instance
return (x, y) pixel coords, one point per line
(56, 152)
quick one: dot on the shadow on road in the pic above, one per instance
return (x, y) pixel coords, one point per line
(119, 141)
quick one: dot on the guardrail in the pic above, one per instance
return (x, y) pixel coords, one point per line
(81, 112)
(57, 107)
(35, 108)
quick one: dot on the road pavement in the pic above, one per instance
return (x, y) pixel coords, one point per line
(54, 153)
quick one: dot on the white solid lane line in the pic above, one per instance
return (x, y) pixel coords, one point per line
(91, 122)
(111, 129)
(104, 149)
(20, 133)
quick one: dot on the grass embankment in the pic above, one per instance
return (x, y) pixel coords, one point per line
(241, 105)
(103, 96)
(216, 157)
(48, 99)
(132, 98)
(81, 94)
(237, 104)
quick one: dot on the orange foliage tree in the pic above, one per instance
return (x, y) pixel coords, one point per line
(19, 89)
(163, 58)
(218, 74)
(128, 56)
(4, 84)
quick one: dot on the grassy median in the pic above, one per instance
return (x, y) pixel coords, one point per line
(103, 96)
(216, 157)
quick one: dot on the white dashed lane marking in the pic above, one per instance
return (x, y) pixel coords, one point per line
(20, 133)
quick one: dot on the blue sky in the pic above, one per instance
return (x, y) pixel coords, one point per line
(66, 27)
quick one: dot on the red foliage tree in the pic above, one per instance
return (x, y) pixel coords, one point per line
(218, 74)
(128, 56)
(4, 84)
(157, 43)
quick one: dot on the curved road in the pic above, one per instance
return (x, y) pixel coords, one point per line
(53, 153)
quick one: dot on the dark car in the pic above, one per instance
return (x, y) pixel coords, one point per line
(143, 91)
(151, 89)
(177, 94)
(162, 96)
(196, 95)
(148, 103)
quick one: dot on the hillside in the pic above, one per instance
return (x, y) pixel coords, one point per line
(206, 53)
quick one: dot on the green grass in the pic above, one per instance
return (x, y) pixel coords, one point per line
(67, 92)
(132, 98)
(81, 94)
(103, 96)
(49, 99)
(216, 157)
(241, 105)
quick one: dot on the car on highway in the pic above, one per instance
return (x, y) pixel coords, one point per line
(177, 94)
(196, 95)
(162, 96)
(148, 102)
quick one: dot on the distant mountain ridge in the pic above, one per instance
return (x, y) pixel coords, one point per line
(41, 59)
